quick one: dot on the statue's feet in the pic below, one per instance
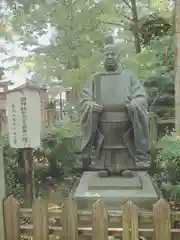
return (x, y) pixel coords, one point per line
(127, 174)
(103, 173)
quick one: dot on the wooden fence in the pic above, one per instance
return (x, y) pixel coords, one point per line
(69, 224)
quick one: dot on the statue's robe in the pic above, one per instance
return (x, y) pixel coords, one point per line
(119, 133)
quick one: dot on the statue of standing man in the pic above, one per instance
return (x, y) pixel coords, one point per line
(114, 117)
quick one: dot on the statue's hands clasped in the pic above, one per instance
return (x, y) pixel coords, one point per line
(97, 108)
(130, 106)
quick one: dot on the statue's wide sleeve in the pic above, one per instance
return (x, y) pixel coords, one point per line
(139, 115)
(86, 106)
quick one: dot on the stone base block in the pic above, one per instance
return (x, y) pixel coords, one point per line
(115, 191)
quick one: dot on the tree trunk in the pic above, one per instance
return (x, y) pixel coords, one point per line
(177, 69)
(135, 26)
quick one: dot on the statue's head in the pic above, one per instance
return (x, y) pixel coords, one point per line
(111, 61)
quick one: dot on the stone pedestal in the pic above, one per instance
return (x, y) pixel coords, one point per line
(115, 191)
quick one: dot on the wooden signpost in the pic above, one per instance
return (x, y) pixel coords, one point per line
(24, 126)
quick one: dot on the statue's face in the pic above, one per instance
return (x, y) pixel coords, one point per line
(111, 59)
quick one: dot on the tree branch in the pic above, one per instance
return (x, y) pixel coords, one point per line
(126, 2)
(116, 24)
(128, 18)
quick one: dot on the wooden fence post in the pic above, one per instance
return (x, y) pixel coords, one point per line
(126, 221)
(40, 220)
(69, 220)
(162, 220)
(99, 221)
(11, 219)
(134, 222)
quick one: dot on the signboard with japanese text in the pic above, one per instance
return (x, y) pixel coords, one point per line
(24, 118)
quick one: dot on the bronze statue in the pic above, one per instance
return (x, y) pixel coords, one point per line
(114, 118)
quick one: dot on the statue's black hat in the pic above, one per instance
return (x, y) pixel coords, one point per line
(109, 40)
(110, 44)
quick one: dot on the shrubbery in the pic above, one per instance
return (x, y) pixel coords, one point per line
(59, 145)
(13, 185)
(56, 156)
(168, 159)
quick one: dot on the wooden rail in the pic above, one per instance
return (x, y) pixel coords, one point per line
(69, 223)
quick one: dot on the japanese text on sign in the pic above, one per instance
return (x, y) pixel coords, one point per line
(24, 118)
(14, 135)
(23, 101)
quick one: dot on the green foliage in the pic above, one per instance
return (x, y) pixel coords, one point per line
(168, 159)
(160, 89)
(77, 32)
(75, 49)
(59, 144)
(169, 153)
(175, 192)
(154, 59)
(13, 185)
(154, 65)
(154, 27)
